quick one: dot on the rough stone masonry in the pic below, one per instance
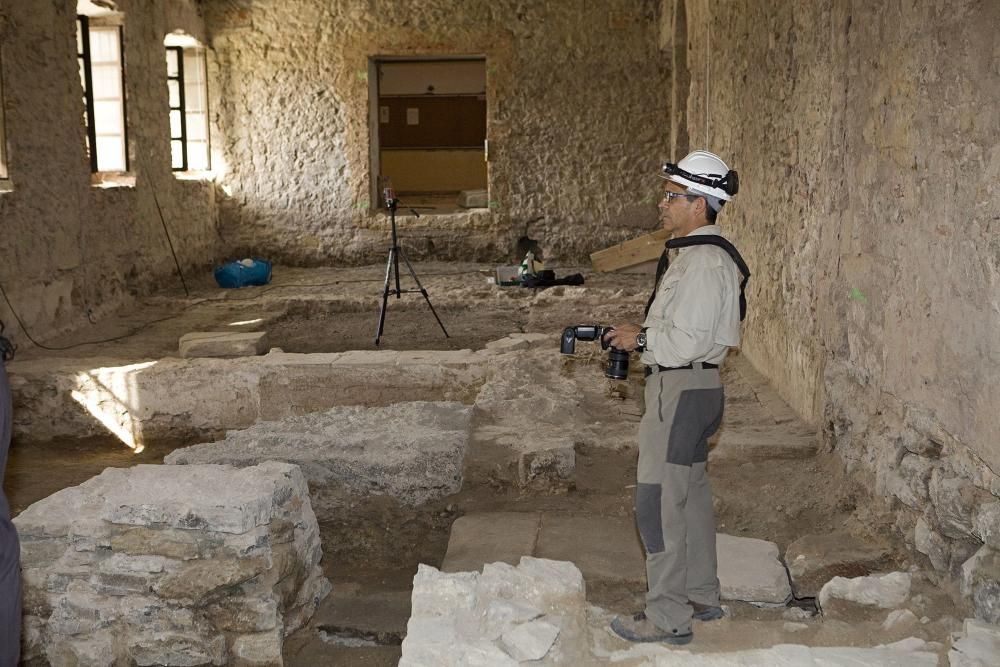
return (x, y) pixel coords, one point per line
(170, 565)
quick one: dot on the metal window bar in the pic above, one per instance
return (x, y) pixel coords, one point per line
(121, 60)
(83, 23)
(85, 58)
(180, 108)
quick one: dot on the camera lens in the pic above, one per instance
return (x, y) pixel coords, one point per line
(617, 364)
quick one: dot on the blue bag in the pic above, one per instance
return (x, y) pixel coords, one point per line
(244, 272)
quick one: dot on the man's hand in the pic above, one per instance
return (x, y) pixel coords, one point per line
(623, 336)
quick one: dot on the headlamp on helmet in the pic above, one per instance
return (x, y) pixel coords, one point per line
(705, 173)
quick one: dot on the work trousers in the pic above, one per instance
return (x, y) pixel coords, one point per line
(10, 550)
(673, 504)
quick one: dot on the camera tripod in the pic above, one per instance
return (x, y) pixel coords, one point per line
(392, 272)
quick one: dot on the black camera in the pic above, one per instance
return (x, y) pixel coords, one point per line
(617, 368)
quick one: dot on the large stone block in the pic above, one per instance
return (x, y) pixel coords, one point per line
(171, 565)
(749, 570)
(223, 344)
(411, 451)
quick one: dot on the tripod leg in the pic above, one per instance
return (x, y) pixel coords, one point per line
(385, 294)
(423, 291)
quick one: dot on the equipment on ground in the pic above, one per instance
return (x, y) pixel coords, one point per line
(392, 267)
(617, 368)
(704, 173)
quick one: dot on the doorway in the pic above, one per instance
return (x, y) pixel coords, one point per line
(429, 131)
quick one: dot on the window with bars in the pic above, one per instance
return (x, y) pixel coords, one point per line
(188, 99)
(99, 51)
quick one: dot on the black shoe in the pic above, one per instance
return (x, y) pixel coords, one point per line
(706, 612)
(638, 628)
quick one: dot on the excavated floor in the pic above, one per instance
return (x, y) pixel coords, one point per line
(769, 480)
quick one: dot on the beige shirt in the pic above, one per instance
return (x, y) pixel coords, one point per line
(696, 313)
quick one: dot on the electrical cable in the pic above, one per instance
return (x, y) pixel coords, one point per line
(166, 232)
(144, 325)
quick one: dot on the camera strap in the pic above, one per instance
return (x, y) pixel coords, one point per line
(703, 239)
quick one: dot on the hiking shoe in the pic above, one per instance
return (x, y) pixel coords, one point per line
(638, 628)
(706, 612)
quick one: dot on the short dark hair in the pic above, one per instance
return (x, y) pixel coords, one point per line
(711, 215)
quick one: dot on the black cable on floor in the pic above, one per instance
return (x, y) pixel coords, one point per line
(166, 232)
(144, 325)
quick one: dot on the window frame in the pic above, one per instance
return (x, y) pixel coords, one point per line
(85, 60)
(197, 55)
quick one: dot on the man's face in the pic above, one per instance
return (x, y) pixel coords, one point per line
(675, 212)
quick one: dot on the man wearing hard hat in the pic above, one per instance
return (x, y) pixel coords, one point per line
(692, 319)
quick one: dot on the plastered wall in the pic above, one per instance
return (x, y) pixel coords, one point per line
(577, 123)
(866, 139)
(69, 248)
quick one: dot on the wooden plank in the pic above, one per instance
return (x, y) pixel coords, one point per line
(631, 252)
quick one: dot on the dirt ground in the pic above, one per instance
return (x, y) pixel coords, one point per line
(375, 548)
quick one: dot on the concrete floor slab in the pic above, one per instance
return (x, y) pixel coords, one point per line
(605, 548)
(478, 539)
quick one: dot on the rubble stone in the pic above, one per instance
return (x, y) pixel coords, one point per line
(978, 646)
(815, 559)
(749, 570)
(899, 619)
(223, 344)
(981, 583)
(986, 524)
(931, 544)
(411, 451)
(246, 574)
(871, 592)
(549, 463)
(954, 501)
(467, 618)
(529, 641)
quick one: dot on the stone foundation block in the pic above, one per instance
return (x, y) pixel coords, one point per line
(411, 451)
(749, 570)
(170, 565)
(223, 344)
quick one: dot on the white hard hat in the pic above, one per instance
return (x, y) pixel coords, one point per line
(705, 173)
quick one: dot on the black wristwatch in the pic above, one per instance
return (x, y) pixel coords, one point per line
(640, 340)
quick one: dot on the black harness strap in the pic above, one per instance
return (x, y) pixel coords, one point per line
(703, 239)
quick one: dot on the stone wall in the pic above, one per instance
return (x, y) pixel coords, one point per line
(865, 136)
(577, 123)
(170, 565)
(70, 247)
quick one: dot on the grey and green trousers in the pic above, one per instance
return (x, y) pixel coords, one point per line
(673, 503)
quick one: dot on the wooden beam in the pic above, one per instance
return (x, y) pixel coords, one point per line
(628, 253)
